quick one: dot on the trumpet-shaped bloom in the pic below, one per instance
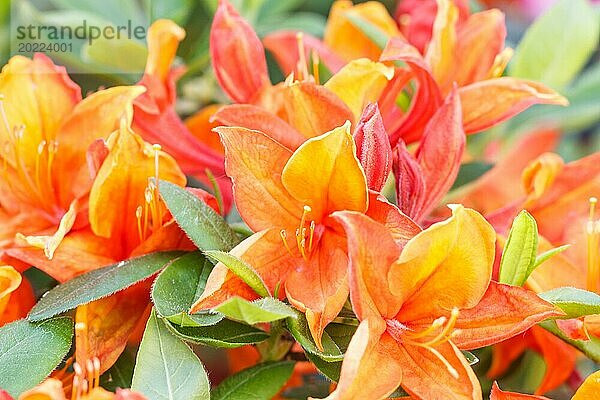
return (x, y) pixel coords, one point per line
(418, 305)
(288, 198)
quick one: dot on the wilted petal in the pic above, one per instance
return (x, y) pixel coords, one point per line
(237, 55)
(487, 103)
(373, 147)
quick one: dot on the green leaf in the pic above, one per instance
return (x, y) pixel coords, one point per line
(591, 348)
(331, 370)
(99, 283)
(469, 172)
(225, 334)
(204, 226)
(379, 37)
(166, 368)
(260, 382)
(573, 302)
(555, 56)
(519, 254)
(267, 309)
(121, 373)
(545, 256)
(298, 327)
(178, 286)
(471, 358)
(244, 271)
(30, 351)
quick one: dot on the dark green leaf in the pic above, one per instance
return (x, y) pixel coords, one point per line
(519, 255)
(225, 334)
(121, 373)
(331, 370)
(244, 271)
(99, 283)
(166, 368)
(260, 382)
(30, 351)
(178, 286)
(573, 302)
(266, 309)
(204, 226)
(298, 327)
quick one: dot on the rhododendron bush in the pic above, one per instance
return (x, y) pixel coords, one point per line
(322, 200)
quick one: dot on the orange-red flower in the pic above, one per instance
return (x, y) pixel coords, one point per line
(288, 197)
(419, 304)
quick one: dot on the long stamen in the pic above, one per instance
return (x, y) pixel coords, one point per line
(315, 66)
(593, 242)
(138, 215)
(312, 234)
(283, 235)
(302, 65)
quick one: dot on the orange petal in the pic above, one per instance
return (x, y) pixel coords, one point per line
(400, 226)
(560, 359)
(359, 83)
(120, 188)
(497, 394)
(426, 377)
(372, 252)
(265, 252)
(540, 175)
(255, 163)
(319, 286)
(349, 42)
(503, 312)
(325, 174)
(410, 182)
(424, 103)
(163, 39)
(201, 125)
(440, 153)
(10, 280)
(79, 252)
(310, 108)
(373, 147)
(167, 237)
(256, 118)
(573, 328)
(441, 52)
(21, 300)
(50, 389)
(39, 96)
(489, 102)
(96, 117)
(237, 56)
(505, 353)
(480, 39)
(589, 389)
(103, 326)
(454, 257)
(370, 353)
(284, 46)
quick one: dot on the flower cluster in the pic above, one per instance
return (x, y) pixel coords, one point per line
(331, 236)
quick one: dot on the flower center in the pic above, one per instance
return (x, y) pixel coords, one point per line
(440, 331)
(304, 237)
(32, 179)
(593, 243)
(149, 216)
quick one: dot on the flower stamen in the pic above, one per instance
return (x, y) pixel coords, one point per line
(302, 65)
(593, 244)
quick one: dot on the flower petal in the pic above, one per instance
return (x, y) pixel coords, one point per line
(425, 376)
(373, 147)
(590, 388)
(325, 174)
(489, 102)
(237, 55)
(370, 353)
(440, 53)
(454, 258)
(503, 312)
(163, 39)
(359, 83)
(255, 163)
(410, 182)
(400, 226)
(497, 394)
(560, 359)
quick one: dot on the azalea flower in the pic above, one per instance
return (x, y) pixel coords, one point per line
(16, 295)
(288, 198)
(420, 303)
(84, 386)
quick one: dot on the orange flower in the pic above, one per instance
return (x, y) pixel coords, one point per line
(589, 390)
(16, 295)
(288, 199)
(54, 389)
(419, 304)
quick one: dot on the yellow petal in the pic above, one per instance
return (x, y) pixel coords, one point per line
(447, 265)
(540, 175)
(50, 389)
(359, 83)
(440, 53)
(163, 39)
(325, 174)
(10, 280)
(589, 389)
